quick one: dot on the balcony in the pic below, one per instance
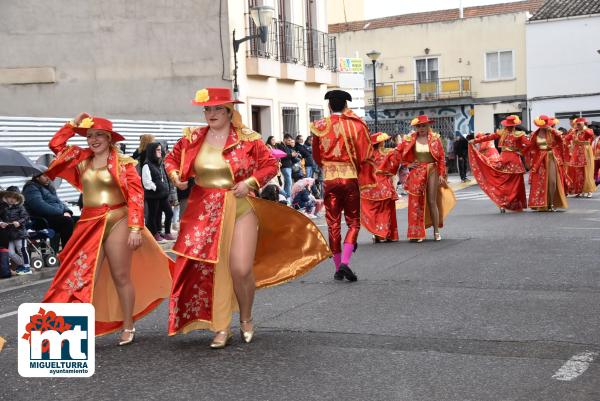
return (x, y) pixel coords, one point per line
(424, 91)
(293, 53)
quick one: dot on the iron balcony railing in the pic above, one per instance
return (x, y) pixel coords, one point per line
(292, 43)
(321, 50)
(417, 91)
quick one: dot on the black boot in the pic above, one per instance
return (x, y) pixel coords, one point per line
(4, 265)
(349, 274)
(338, 275)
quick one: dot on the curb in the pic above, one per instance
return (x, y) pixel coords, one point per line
(44, 273)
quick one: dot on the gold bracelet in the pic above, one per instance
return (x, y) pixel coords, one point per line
(135, 229)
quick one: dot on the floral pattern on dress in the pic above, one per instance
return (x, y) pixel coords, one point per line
(77, 280)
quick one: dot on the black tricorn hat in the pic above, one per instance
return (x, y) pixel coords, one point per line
(338, 94)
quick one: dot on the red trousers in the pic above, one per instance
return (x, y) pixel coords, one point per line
(342, 195)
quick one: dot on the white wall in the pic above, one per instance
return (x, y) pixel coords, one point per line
(484, 114)
(562, 57)
(573, 105)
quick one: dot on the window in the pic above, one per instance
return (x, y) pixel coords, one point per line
(315, 114)
(290, 123)
(427, 70)
(499, 65)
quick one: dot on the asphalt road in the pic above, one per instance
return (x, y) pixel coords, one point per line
(492, 312)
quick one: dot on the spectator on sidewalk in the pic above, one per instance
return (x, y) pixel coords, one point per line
(287, 163)
(156, 193)
(13, 219)
(140, 152)
(461, 150)
(306, 154)
(42, 201)
(271, 142)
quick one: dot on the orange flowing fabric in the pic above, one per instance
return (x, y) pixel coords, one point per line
(378, 204)
(541, 160)
(502, 179)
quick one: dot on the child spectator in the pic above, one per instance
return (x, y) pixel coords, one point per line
(13, 218)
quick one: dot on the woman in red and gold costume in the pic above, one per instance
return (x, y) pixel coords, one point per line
(580, 166)
(547, 174)
(111, 260)
(230, 242)
(429, 197)
(502, 179)
(487, 148)
(596, 151)
(378, 203)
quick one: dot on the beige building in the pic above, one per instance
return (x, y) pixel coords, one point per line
(468, 72)
(284, 80)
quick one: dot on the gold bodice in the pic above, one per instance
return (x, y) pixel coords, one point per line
(541, 143)
(212, 171)
(422, 153)
(99, 187)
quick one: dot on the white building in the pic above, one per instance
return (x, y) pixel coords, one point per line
(563, 60)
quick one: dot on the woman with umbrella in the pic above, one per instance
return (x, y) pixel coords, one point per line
(111, 260)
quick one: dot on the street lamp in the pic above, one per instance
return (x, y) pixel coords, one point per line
(374, 55)
(261, 16)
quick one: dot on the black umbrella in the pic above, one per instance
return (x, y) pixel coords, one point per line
(16, 164)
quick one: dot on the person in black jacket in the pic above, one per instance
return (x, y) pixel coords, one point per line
(461, 150)
(41, 200)
(156, 193)
(306, 153)
(288, 162)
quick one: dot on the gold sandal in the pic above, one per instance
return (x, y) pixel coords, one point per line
(131, 333)
(220, 344)
(247, 336)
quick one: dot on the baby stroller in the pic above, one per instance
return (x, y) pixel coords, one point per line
(38, 243)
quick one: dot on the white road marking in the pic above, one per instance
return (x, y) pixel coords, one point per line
(9, 314)
(575, 366)
(18, 287)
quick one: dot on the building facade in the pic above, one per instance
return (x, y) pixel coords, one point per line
(145, 60)
(465, 68)
(563, 60)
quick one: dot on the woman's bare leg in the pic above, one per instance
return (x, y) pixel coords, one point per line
(119, 259)
(551, 181)
(241, 261)
(432, 191)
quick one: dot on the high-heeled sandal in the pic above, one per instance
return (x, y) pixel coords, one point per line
(247, 336)
(131, 333)
(437, 236)
(220, 344)
(419, 240)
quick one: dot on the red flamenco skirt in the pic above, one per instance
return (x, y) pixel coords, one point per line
(84, 278)
(379, 217)
(502, 180)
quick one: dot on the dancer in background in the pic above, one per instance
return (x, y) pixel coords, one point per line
(378, 204)
(229, 242)
(430, 199)
(547, 174)
(111, 260)
(342, 149)
(581, 159)
(502, 179)
(487, 148)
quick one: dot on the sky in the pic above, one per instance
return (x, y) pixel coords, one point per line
(384, 8)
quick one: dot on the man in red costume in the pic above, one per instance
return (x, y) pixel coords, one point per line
(342, 149)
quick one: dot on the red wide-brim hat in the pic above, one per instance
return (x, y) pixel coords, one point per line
(98, 123)
(214, 97)
(422, 119)
(511, 121)
(582, 120)
(379, 137)
(545, 121)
